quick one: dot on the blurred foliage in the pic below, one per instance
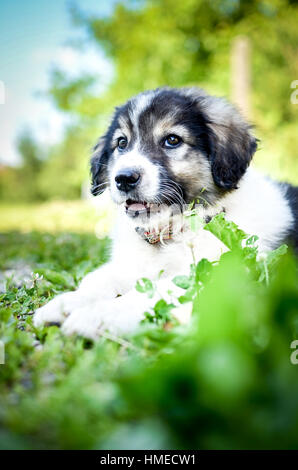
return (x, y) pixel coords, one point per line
(53, 173)
(56, 217)
(66, 168)
(22, 183)
(153, 43)
(224, 381)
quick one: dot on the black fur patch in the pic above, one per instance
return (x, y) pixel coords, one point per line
(291, 195)
(102, 151)
(230, 160)
(98, 168)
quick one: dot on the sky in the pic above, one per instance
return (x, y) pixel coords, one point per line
(35, 35)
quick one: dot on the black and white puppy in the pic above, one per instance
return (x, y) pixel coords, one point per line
(164, 149)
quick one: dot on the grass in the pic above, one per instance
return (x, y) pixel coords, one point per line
(55, 217)
(225, 381)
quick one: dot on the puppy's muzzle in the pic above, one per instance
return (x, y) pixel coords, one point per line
(127, 180)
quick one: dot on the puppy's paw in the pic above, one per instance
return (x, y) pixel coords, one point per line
(56, 310)
(118, 316)
(84, 321)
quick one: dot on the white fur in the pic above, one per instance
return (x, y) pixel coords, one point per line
(135, 159)
(139, 104)
(258, 207)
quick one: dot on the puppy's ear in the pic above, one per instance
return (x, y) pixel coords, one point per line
(98, 163)
(231, 143)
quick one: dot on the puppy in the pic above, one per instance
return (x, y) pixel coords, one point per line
(163, 150)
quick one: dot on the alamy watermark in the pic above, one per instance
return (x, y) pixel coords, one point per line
(2, 353)
(294, 355)
(2, 92)
(294, 94)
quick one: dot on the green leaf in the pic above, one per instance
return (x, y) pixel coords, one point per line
(266, 265)
(189, 295)
(62, 278)
(251, 240)
(182, 281)
(162, 310)
(145, 286)
(274, 256)
(203, 270)
(226, 231)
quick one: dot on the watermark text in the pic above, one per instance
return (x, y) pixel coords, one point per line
(294, 355)
(294, 94)
(2, 353)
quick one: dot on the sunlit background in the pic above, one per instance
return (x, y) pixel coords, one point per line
(65, 65)
(228, 380)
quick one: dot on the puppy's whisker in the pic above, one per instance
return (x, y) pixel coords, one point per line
(99, 188)
(101, 184)
(172, 192)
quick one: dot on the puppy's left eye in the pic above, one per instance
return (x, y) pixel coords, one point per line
(172, 141)
(122, 143)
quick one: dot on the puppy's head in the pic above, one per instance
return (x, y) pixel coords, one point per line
(172, 146)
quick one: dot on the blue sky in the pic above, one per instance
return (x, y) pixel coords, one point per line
(35, 34)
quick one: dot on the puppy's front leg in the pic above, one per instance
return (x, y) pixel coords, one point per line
(118, 316)
(107, 282)
(123, 314)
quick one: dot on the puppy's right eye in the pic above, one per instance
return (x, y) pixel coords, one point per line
(122, 143)
(172, 141)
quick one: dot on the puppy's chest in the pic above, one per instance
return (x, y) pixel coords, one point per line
(173, 257)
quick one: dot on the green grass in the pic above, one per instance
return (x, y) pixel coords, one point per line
(56, 217)
(225, 381)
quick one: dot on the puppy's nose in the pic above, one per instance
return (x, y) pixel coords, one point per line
(127, 180)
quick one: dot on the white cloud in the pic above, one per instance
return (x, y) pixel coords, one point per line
(75, 63)
(22, 108)
(26, 111)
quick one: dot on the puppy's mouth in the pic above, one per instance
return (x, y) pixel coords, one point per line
(135, 208)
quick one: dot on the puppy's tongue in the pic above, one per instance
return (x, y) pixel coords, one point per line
(135, 206)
